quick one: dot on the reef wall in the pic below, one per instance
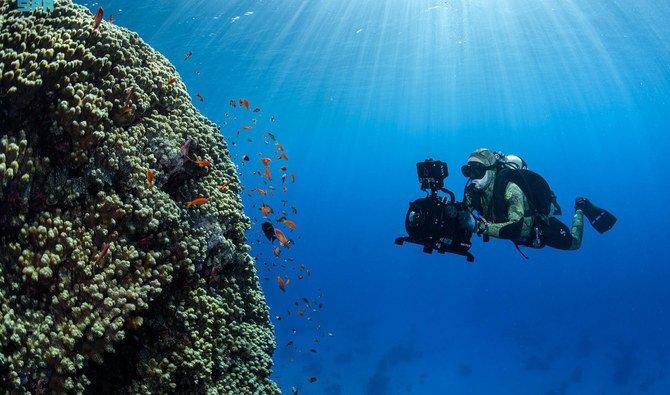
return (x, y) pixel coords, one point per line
(108, 280)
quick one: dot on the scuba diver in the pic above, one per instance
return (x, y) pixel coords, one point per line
(517, 204)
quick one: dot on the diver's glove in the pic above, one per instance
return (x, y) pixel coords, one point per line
(481, 227)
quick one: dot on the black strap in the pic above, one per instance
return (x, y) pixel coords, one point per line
(520, 252)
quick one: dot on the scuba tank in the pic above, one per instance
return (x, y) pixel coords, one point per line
(516, 162)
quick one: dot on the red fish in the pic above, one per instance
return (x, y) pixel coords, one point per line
(282, 238)
(197, 201)
(260, 191)
(103, 251)
(280, 147)
(97, 20)
(289, 224)
(245, 103)
(266, 210)
(150, 177)
(267, 173)
(283, 156)
(266, 161)
(282, 283)
(202, 162)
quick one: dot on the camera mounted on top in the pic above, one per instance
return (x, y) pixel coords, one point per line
(432, 174)
(435, 222)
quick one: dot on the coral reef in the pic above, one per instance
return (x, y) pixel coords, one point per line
(108, 280)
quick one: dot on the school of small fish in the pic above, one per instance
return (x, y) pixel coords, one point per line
(260, 156)
(255, 147)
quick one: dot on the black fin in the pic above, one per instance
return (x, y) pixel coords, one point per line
(601, 219)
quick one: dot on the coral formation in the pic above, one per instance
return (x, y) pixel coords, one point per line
(108, 281)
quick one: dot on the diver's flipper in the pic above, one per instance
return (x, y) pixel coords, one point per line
(601, 219)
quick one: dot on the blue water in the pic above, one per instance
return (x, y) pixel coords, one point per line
(361, 90)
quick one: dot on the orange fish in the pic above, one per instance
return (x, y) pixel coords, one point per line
(103, 251)
(266, 161)
(171, 81)
(282, 283)
(245, 103)
(97, 19)
(150, 177)
(280, 147)
(289, 224)
(282, 238)
(276, 251)
(202, 162)
(126, 110)
(267, 173)
(247, 127)
(224, 185)
(261, 192)
(266, 210)
(283, 156)
(197, 201)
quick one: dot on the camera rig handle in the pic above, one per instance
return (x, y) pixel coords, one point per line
(438, 246)
(448, 192)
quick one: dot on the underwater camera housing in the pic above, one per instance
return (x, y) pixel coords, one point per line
(436, 222)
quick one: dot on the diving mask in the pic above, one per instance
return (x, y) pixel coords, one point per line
(475, 170)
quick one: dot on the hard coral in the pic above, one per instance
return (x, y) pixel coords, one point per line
(105, 282)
